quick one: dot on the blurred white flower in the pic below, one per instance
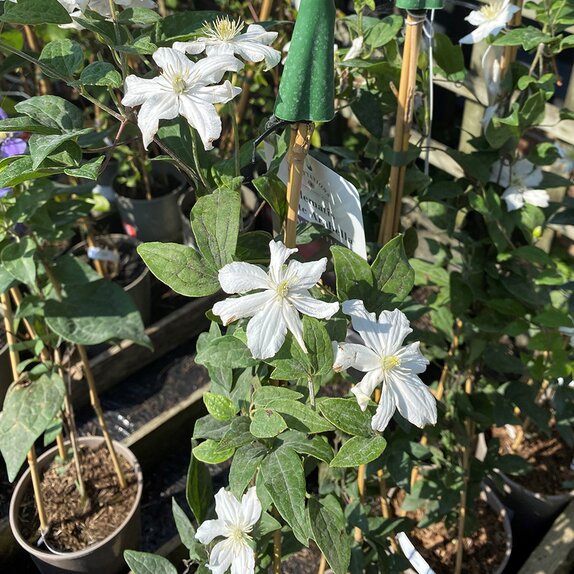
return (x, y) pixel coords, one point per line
(489, 20)
(235, 521)
(389, 363)
(569, 332)
(183, 88)
(283, 293)
(76, 8)
(223, 36)
(355, 50)
(520, 180)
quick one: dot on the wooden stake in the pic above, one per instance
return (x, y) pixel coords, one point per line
(361, 479)
(298, 149)
(509, 53)
(322, 565)
(42, 84)
(31, 457)
(466, 457)
(390, 222)
(276, 546)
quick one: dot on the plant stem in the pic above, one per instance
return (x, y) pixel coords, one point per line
(276, 546)
(390, 221)
(31, 457)
(236, 148)
(466, 457)
(140, 160)
(298, 149)
(195, 153)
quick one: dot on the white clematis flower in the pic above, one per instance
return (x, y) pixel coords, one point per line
(520, 181)
(76, 8)
(183, 88)
(569, 332)
(223, 36)
(489, 20)
(235, 521)
(282, 293)
(387, 362)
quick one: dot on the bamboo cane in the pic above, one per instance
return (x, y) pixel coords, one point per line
(276, 546)
(466, 457)
(298, 149)
(509, 53)
(390, 222)
(264, 14)
(42, 84)
(31, 457)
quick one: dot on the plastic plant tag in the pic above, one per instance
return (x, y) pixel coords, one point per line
(420, 4)
(307, 88)
(329, 200)
(99, 254)
(416, 560)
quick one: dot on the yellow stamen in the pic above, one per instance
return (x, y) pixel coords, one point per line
(223, 29)
(391, 362)
(178, 84)
(493, 9)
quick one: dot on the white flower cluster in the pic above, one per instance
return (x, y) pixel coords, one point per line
(282, 294)
(191, 89)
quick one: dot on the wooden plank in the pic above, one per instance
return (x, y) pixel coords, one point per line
(555, 554)
(124, 359)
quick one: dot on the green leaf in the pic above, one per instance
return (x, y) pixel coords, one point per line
(183, 524)
(238, 434)
(20, 170)
(359, 450)
(88, 170)
(528, 37)
(24, 124)
(215, 221)
(41, 146)
(101, 74)
(198, 489)
(319, 347)
(299, 416)
(346, 415)
(226, 351)
(318, 447)
(219, 407)
(264, 395)
(274, 192)
(333, 541)
(210, 452)
(52, 111)
(64, 56)
(27, 412)
(370, 111)
(35, 12)
(94, 313)
(137, 15)
(266, 423)
(180, 268)
(392, 271)
(145, 563)
(383, 32)
(18, 260)
(284, 479)
(354, 276)
(246, 461)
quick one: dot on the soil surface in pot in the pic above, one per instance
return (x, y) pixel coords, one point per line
(550, 457)
(75, 524)
(484, 551)
(2, 334)
(306, 561)
(130, 265)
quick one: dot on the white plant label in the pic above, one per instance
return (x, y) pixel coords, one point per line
(330, 201)
(100, 254)
(417, 561)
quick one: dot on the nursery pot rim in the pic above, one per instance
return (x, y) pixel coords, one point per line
(562, 497)
(43, 461)
(496, 504)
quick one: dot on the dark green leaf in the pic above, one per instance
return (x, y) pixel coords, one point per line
(359, 450)
(199, 489)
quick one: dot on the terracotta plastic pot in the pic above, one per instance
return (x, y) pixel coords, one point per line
(139, 289)
(104, 557)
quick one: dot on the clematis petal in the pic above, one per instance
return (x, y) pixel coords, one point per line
(173, 62)
(256, 52)
(310, 306)
(476, 18)
(412, 359)
(266, 331)
(220, 94)
(161, 106)
(202, 117)
(219, 48)
(365, 388)
(211, 70)
(399, 328)
(478, 34)
(294, 323)
(221, 557)
(13, 146)
(257, 33)
(514, 198)
(305, 275)
(242, 277)
(372, 332)
(538, 197)
(385, 410)
(138, 90)
(414, 400)
(243, 560)
(500, 173)
(233, 309)
(279, 254)
(250, 507)
(227, 508)
(353, 356)
(192, 48)
(210, 529)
